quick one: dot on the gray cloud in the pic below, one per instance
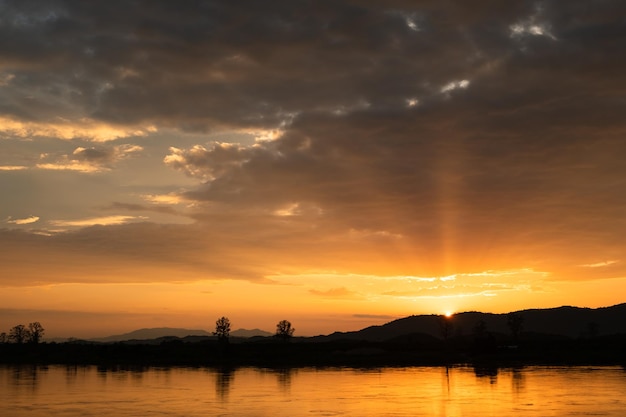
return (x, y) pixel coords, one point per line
(510, 154)
(92, 159)
(210, 64)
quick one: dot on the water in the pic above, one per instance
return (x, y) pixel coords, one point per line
(421, 391)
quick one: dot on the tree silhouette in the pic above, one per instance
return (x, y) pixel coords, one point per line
(4, 338)
(516, 323)
(36, 332)
(19, 334)
(222, 329)
(284, 330)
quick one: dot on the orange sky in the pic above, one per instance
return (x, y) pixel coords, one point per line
(337, 164)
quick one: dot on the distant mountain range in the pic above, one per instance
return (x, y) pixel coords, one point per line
(565, 322)
(162, 332)
(571, 322)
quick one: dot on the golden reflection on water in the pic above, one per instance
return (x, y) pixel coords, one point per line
(437, 391)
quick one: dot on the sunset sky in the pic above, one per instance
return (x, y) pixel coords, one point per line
(335, 163)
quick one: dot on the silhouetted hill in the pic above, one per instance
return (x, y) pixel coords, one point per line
(572, 322)
(250, 333)
(159, 334)
(154, 333)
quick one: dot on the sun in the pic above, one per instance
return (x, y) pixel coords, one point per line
(448, 314)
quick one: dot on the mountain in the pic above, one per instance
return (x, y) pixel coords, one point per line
(250, 333)
(161, 332)
(563, 321)
(566, 321)
(154, 333)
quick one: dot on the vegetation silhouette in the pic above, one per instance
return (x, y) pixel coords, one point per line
(412, 341)
(222, 329)
(21, 334)
(18, 334)
(284, 331)
(35, 332)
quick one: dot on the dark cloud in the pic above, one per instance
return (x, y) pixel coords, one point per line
(431, 136)
(210, 63)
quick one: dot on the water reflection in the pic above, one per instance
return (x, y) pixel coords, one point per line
(71, 372)
(223, 379)
(447, 379)
(26, 377)
(486, 371)
(441, 392)
(284, 377)
(518, 381)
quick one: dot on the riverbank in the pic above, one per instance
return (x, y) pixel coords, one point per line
(609, 350)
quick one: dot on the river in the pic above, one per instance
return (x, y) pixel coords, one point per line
(64, 391)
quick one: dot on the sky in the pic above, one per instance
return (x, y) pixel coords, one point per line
(338, 164)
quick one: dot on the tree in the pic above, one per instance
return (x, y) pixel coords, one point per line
(515, 322)
(19, 334)
(284, 330)
(36, 332)
(4, 338)
(222, 329)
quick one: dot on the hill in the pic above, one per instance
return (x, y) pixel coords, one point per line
(169, 332)
(566, 321)
(152, 333)
(250, 333)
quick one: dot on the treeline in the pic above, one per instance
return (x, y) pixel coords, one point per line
(411, 350)
(33, 333)
(22, 345)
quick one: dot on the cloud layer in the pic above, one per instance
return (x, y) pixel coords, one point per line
(391, 138)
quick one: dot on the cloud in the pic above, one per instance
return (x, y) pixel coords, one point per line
(5, 79)
(70, 129)
(117, 206)
(207, 164)
(89, 160)
(170, 198)
(102, 221)
(213, 66)
(70, 166)
(392, 138)
(375, 316)
(120, 249)
(12, 168)
(599, 264)
(27, 220)
(340, 292)
(453, 85)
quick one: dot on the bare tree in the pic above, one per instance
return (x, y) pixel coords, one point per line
(36, 332)
(4, 338)
(19, 334)
(284, 330)
(222, 329)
